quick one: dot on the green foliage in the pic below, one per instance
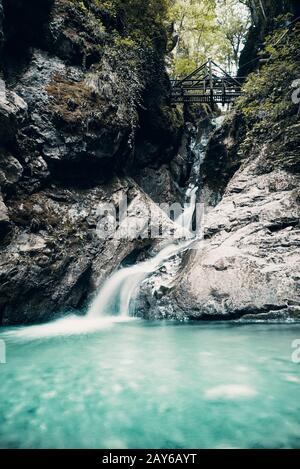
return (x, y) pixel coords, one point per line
(268, 92)
(208, 28)
(128, 74)
(143, 21)
(267, 105)
(234, 22)
(144, 18)
(82, 5)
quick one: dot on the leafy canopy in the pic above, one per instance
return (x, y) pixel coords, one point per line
(208, 28)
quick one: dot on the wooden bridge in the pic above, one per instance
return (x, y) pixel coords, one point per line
(207, 84)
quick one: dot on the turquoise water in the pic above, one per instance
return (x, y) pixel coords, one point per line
(134, 384)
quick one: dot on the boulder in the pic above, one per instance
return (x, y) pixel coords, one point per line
(5, 224)
(12, 112)
(10, 171)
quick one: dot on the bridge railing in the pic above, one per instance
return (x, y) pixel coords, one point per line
(216, 89)
(236, 81)
(208, 83)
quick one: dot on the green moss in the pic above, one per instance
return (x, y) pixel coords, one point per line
(143, 21)
(22, 213)
(72, 101)
(267, 107)
(123, 44)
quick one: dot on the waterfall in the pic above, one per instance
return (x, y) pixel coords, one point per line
(118, 292)
(115, 303)
(116, 297)
(186, 218)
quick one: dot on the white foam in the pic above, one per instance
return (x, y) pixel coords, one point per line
(230, 391)
(70, 325)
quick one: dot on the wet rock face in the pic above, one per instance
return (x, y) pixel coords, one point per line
(5, 224)
(56, 259)
(248, 264)
(13, 111)
(1, 26)
(95, 107)
(222, 157)
(159, 184)
(65, 126)
(166, 183)
(65, 43)
(10, 171)
(71, 100)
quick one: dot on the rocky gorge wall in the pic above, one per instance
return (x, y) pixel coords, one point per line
(84, 99)
(247, 266)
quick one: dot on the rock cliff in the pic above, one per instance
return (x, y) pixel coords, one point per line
(83, 94)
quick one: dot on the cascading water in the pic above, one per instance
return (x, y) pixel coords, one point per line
(116, 297)
(118, 292)
(115, 301)
(186, 218)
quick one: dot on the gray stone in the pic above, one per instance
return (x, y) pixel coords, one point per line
(13, 110)
(5, 224)
(249, 260)
(10, 171)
